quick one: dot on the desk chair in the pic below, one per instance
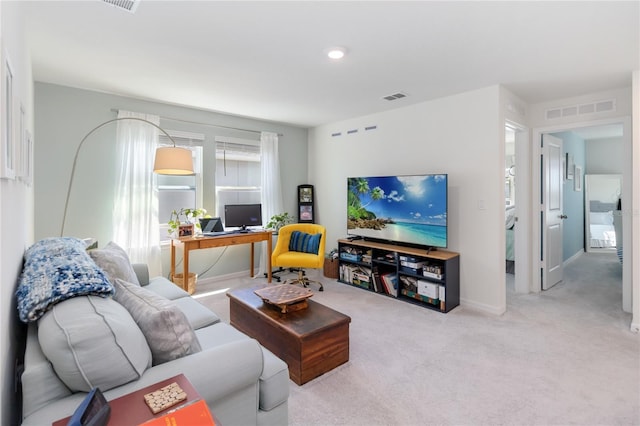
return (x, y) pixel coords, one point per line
(300, 245)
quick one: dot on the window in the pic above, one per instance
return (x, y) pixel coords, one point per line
(238, 175)
(176, 192)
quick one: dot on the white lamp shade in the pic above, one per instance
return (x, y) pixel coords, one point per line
(172, 160)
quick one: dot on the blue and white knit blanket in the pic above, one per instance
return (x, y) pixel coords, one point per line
(57, 269)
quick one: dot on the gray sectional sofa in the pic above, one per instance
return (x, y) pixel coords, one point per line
(132, 338)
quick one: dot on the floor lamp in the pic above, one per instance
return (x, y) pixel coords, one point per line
(169, 160)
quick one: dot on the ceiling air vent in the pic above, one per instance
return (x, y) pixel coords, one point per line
(395, 96)
(128, 5)
(597, 107)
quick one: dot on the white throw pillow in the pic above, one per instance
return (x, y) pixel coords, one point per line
(93, 342)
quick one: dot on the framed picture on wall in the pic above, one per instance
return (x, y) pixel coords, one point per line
(305, 194)
(306, 213)
(7, 148)
(577, 179)
(570, 166)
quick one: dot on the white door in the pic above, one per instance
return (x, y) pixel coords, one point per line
(553, 213)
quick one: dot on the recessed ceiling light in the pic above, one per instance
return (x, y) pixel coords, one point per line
(336, 52)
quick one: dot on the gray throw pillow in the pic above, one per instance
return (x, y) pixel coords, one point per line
(114, 261)
(93, 342)
(165, 326)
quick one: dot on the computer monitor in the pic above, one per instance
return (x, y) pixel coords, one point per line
(242, 215)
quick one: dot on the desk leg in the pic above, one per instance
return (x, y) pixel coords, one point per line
(185, 261)
(251, 270)
(269, 248)
(173, 259)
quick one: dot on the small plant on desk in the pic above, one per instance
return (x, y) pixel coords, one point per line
(185, 216)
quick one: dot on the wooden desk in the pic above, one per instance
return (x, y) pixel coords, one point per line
(202, 242)
(131, 409)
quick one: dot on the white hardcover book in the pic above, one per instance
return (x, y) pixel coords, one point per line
(441, 293)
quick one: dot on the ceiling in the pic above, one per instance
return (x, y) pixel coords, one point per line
(266, 59)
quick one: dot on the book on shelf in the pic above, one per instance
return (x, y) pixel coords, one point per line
(390, 281)
(376, 280)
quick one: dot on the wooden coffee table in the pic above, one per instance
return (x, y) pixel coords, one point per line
(311, 341)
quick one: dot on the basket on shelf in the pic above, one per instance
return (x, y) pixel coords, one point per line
(178, 279)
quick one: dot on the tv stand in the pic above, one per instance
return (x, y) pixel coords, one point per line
(422, 276)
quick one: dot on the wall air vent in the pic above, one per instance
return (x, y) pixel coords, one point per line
(128, 5)
(395, 96)
(597, 107)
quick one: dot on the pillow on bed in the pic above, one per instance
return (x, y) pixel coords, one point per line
(601, 218)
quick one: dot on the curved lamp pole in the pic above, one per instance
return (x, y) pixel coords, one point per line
(170, 160)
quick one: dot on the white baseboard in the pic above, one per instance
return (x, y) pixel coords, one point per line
(489, 309)
(209, 280)
(574, 257)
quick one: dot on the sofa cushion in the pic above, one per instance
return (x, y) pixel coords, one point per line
(93, 342)
(198, 315)
(114, 261)
(57, 269)
(165, 288)
(166, 328)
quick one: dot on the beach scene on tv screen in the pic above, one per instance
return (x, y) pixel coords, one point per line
(410, 209)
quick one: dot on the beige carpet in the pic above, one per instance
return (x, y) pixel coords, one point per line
(564, 356)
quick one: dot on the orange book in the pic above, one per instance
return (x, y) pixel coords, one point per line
(192, 414)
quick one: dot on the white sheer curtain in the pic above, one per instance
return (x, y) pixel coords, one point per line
(271, 196)
(135, 215)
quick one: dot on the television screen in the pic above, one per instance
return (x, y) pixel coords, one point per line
(402, 209)
(242, 215)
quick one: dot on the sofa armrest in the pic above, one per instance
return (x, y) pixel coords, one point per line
(142, 272)
(215, 373)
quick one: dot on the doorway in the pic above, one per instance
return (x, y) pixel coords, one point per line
(517, 207)
(605, 144)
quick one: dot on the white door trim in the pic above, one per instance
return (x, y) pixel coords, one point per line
(626, 195)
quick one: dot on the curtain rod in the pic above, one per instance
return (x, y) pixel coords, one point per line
(206, 124)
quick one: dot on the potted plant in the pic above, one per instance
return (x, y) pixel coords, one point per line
(277, 221)
(183, 222)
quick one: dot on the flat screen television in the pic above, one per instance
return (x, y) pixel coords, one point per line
(409, 210)
(242, 215)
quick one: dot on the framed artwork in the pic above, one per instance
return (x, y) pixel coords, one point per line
(8, 156)
(27, 158)
(577, 181)
(570, 166)
(305, 194)
(306, 213)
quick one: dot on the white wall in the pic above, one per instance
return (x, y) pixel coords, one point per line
(16, 215)
(459, 135)
(604, 156)
(65, 115)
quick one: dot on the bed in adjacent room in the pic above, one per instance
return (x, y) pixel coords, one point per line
(602, 233)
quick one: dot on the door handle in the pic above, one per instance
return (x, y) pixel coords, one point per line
(563, 216)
